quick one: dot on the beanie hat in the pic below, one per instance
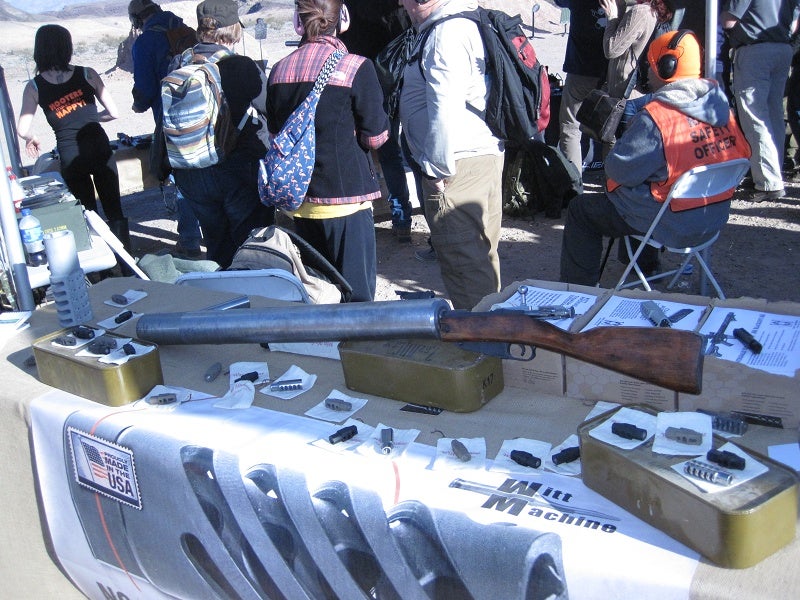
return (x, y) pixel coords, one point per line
(139, 8)
(676, 55)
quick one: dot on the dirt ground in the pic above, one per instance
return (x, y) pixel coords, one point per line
(757, 255)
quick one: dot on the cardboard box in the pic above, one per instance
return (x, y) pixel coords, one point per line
(545, 373)
(734, 528)
(425, 372)
(114, 385)
(732, 386)
(56, 208)
(591, 382)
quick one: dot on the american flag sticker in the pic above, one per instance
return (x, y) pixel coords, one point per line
(104, 467)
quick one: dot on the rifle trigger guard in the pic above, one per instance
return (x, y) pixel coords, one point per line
(501, 350)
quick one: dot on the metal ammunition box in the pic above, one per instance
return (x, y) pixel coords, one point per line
(734, 528)
(425, 372)
(85, 376)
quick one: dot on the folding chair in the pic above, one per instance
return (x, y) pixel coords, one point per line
(269, 283)
(700, 182)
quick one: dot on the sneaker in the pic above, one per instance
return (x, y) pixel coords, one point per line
(426, 256)
(183, 252)
(762, 195)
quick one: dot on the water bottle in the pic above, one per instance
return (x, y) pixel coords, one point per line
(30, 230)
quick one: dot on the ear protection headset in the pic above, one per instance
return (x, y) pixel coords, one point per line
(668, 62)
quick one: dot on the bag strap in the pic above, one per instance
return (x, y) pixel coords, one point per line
(327, 70)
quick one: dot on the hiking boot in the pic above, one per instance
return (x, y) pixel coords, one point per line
(403, 234)
(764, 195)
(426, 256)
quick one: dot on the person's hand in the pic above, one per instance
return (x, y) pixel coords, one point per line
(610, 8)
(32, 147)
(440, 184)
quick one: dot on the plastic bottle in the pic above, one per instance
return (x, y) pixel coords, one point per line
(30, 230)
(17, 191)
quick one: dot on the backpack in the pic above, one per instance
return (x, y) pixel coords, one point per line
(538, 177)
(197, 126)
(285, 171)
(518, 106)
(276, 248)
(180, 38)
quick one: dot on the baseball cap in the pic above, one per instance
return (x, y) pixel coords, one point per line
(687, 53)
(224, 12)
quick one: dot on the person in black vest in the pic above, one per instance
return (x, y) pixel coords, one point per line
(69, 96)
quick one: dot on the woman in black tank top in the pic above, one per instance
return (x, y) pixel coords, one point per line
(69, 97)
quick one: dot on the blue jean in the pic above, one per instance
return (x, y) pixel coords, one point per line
(394, 173)
(189, 236)
(224, 197)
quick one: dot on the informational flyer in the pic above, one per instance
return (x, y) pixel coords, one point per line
(619, 311)
(775, 345)
(532, 298)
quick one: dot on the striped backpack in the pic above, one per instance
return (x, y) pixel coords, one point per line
(197, 123)
(285, 172)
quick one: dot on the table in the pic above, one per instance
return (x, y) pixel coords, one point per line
(30, 572)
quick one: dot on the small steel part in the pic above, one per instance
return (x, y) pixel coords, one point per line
(748, 340)
(338, 404)
(119, 299)
(419, 408)
(726, 422)
(286, 385)
(710, 473)
(129, 349)
(726, 459)
(680, 314)
(629, 431)
(684, 435)
(65, 340)
(213, 372)
(123, 316)
(387, 440)
(526, 459)
(653, 313)
(343, 434)
(460, 451)
(251, 376)
(759, 419)
(552, 311)
(82, 332)
(102, 346)
(567, 455)
(419, 295)
(161, 399)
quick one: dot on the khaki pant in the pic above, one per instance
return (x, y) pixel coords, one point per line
(465, 221)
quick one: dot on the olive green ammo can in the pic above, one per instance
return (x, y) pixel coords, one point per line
(425, 372)
(734, 528)
(85, 376)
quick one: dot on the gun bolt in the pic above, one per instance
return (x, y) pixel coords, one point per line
(526, 459)
(460, 451)
(629, 431)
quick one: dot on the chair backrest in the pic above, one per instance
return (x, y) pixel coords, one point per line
(710, 180)
(269, 283)
(703, 181)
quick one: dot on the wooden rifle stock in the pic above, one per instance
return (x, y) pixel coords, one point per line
(666, 357)
(670, 358)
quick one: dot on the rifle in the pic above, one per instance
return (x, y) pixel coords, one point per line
(669, 358)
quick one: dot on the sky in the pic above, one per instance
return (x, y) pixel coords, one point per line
(37, 6)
